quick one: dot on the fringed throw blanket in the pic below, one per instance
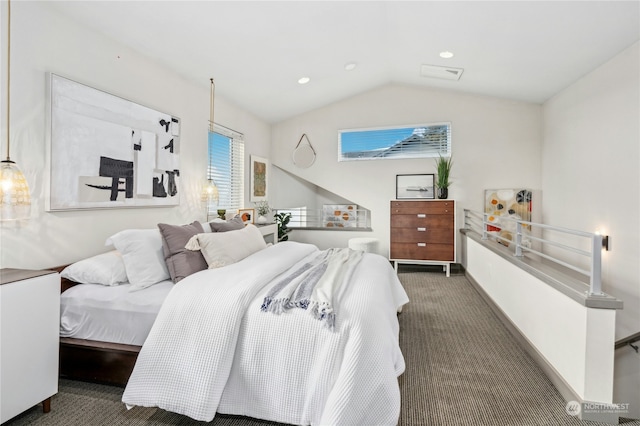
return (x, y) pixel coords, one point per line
(314, 285)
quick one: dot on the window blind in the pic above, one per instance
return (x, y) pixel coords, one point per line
(226, 167)
(429, 140)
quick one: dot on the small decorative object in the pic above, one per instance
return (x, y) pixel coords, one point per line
(304, 155)
(221, 213)
(414, 186)
(443, 167)
(282, 220)
(263, 210)
(247, 215)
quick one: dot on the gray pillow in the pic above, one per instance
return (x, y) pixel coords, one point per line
(180, 261)
(231, 225)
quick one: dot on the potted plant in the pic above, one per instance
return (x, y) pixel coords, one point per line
(282, 219)
(443, 168)
(263, 210)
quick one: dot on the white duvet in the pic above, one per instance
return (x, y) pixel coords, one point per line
(212, 349)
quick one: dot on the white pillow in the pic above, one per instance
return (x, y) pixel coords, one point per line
(143, 256)
(224, 248)
(105, 269)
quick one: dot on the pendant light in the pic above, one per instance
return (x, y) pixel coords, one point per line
(15, 200)
(210, 192)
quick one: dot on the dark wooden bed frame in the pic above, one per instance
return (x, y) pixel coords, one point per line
(95, 361)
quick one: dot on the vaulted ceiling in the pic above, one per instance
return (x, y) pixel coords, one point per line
(257, 50)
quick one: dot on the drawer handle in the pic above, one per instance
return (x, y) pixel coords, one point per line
(422, 215)
(422, 244)
(422, 229)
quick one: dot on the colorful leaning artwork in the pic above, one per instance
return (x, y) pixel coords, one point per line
(507, 203)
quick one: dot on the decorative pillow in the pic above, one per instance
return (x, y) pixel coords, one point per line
(106, 269)
(143, 257)
(231, 225)
(224, 248)
(207, 226)
(180, 261)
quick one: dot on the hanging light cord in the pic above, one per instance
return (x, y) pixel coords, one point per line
(8, 71)
(213, 91)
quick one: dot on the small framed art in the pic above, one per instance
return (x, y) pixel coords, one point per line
(259, 176)
(247, 215)
(415, 186)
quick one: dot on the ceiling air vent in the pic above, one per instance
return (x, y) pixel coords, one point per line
(447, 73)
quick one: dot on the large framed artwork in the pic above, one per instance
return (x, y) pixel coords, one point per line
(415, 186)
(109, 152)
(259, 176)
(509, 203)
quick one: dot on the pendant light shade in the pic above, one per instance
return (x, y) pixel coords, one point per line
(211, 192)
(15, 199)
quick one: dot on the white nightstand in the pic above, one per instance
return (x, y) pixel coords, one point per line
(270, 232)
(29, 339)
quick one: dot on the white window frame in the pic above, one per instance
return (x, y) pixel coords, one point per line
(230, 183)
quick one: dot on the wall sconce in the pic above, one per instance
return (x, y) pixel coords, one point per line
(605, 241)
(15, 198)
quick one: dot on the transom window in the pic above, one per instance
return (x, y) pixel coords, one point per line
(428, 140)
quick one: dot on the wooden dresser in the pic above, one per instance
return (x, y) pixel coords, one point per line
(423, 232)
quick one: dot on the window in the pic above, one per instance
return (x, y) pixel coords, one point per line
(430, 140)
(226, 167)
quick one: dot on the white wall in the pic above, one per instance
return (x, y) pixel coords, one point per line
(496, 144)
(557, 326)
(591, 181)
(44, 41)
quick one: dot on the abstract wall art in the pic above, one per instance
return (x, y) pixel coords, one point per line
(508, 203)
(339, 215)
(109, 152)
(259, 175)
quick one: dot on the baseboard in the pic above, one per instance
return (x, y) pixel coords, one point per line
(558, 381)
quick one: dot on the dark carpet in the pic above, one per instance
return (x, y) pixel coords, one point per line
(463, 368)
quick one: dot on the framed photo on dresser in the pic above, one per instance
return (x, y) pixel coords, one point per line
(420, 186)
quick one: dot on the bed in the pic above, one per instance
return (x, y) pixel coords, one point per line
(214, 348)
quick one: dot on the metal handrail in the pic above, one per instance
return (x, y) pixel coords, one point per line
(306, 218)
(629, 340)
(476, 221)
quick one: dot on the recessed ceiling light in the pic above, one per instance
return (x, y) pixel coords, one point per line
(304, 80)
(350, 66)
(446, 54)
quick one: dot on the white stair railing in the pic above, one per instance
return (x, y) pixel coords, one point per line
(526, 240)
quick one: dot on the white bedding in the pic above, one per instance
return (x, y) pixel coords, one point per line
(111, 313)
(213, 349)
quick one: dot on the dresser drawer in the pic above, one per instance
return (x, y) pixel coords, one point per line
(429, 235)
(422, 207)
(422, 251)
(417, 223)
